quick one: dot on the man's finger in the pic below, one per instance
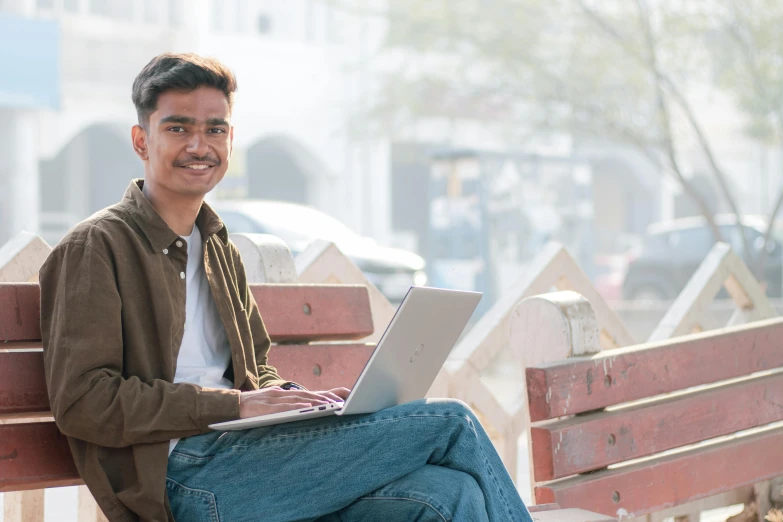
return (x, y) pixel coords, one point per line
(302, 394)
(341, 392)
(316, 399)
(286, 399)
(316, 395)
(257, 408)
(290, 406)
(334, 397)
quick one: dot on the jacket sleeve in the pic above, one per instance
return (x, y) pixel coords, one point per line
(267, 375)
(81, 328)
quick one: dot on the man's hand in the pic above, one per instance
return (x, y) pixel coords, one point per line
(275, 400)
(341, 394)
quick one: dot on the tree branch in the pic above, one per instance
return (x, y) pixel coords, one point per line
(752, 67)
(663, 81)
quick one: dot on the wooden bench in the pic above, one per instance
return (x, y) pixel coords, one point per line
(315, 327)
(632, 431)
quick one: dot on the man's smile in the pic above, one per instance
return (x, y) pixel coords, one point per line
(197, 167)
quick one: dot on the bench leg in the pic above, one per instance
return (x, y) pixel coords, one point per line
(24, 506)
(510, 454)
(763, 499)
(776, 492)
(505, 443)
(88, 509)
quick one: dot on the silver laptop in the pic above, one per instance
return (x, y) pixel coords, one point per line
(405, 362)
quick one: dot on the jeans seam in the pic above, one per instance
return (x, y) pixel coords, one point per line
(200, 493)
(333, 429)
(491, 474)
(317, 431)
(441, 515)
(188, 456)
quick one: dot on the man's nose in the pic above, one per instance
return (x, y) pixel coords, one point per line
(198, 144)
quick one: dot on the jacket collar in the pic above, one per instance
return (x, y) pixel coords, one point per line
(158, 233)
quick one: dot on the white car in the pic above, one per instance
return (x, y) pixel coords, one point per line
(392, 270)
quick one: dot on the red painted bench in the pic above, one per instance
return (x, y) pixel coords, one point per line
(314, 327)
(633, 431)
(299, 318)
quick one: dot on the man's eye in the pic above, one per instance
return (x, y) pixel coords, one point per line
(177, 129)
(217, 130)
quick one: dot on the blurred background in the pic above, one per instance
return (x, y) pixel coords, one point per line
(439, 142)
(446, 141)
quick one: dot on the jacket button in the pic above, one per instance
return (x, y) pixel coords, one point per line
(182, 275)
(179, 243)
(166, 251)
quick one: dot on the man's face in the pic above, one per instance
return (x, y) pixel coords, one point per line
(187, 145)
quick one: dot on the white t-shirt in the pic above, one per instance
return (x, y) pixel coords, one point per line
(205, 353)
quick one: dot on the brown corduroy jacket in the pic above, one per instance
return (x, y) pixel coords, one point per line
(112, 320)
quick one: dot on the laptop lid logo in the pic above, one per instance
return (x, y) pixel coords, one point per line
(417, 352)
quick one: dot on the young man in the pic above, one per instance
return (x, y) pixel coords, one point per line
(151, 334)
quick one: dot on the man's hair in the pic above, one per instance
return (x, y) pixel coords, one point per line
(179, 72)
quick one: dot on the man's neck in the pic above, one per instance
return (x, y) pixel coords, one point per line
(179, 213)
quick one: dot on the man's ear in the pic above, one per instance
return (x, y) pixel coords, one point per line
(139, 139)
(230, 141)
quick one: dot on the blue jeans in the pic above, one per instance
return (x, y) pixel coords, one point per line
(427, 460)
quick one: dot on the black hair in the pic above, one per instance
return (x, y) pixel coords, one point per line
(179, 72)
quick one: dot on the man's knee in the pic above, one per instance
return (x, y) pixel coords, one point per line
(450, 407)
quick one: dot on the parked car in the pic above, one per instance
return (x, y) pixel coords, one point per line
(672, 250)
(392, 270)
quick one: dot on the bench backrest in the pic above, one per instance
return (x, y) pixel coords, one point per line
(33, 453)
(703, 413)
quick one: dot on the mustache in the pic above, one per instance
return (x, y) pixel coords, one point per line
(211, 160)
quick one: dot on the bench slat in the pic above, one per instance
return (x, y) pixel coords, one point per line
(315, 312)
(20, 309)
(316, 366)
(22, 382)
(652, 486)
(34, 456)
(538, 508)
(321, 366)
(334, 312)
(595, 441)
(627, 374)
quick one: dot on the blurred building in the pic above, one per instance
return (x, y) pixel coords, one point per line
(491, 214)
(67, 110)
(307, 73)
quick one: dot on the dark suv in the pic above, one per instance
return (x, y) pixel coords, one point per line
(672, 251)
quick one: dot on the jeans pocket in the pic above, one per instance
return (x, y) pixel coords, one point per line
(191, 505)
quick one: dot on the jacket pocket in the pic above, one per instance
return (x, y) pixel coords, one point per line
(191, 505)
